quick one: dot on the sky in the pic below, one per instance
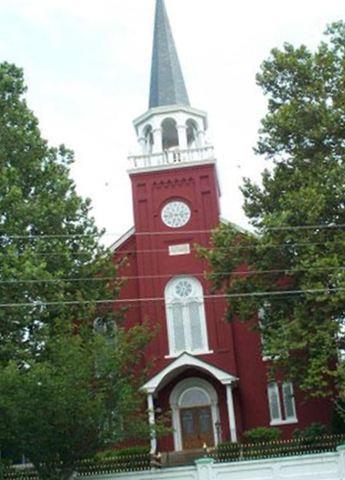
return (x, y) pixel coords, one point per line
(87, 66)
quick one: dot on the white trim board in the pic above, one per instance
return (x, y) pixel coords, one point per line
(120, 241)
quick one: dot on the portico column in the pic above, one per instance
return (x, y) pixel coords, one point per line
(231, 413)
(157, 140)
(182, 137)
(152, 422)
(201, 138)
(142, 143)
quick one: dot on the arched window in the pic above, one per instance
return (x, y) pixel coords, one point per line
(194, 397)
(185, 309)
(192, 134)
(148, 134)
(169, 134)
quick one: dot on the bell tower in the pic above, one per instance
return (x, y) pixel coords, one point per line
(175, 190)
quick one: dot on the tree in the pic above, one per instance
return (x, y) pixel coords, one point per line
(298, 213)
(80, 397)
(48, 241)
(64, 391)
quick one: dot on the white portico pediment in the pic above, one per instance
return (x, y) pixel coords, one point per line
(184, 361)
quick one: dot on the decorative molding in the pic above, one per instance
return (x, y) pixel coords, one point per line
(176, 166)
(172, 183)
(184, 361)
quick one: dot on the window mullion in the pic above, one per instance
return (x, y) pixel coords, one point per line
(187, 326)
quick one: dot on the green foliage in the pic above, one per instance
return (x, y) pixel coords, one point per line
(123, 452)
(48, 241)
(65, 391)
(262, 435)
(338, 418)
(312, 432)
(292, 272)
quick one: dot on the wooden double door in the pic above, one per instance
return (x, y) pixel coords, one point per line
(197, 427)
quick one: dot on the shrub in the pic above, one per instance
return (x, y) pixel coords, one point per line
(313, 432)
(338, 419)
(262, 435)
(123, 452)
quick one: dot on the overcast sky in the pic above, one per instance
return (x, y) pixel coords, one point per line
(87, 65)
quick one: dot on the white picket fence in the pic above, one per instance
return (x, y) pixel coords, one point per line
(325, 466)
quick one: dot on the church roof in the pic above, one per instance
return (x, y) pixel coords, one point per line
(167, 82)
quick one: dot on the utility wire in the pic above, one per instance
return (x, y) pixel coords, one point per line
(165, 250)
(155, 277)
(277, 293)
(329, 226)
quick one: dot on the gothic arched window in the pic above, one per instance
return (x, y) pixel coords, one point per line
(184, 300)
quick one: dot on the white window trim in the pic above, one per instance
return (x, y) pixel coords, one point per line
(281, 420)
(169, 302)
(290, 421)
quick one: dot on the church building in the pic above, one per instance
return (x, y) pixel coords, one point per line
(208, 375)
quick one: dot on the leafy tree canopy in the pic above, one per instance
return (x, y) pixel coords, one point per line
(298, 213)
(64, 391)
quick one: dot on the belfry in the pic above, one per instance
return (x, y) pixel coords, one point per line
(208, 374)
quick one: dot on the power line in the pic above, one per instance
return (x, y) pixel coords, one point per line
(169, 275)
(277, 293)
(329, 226)
(165, 250)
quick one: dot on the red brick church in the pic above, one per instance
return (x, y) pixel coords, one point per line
(209, 375)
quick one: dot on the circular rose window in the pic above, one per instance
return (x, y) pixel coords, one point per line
(176, 214)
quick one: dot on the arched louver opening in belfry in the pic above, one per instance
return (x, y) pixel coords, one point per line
(148, 135)
(192, 134)
(169, 134)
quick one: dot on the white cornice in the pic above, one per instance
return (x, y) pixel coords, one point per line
(161, 168)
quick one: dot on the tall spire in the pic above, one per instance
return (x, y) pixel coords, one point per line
(167, 83)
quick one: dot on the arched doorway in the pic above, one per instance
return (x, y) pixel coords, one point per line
(194, 404)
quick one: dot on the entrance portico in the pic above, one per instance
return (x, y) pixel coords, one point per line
(194, 403)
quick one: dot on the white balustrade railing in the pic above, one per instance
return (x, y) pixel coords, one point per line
(171, 157)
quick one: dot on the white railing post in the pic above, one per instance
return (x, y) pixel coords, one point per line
(341, 462)
(204, 469)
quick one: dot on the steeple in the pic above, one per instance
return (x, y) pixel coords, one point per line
(167, 83)
(170, 131)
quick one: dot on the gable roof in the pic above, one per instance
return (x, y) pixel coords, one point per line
(184, 361)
